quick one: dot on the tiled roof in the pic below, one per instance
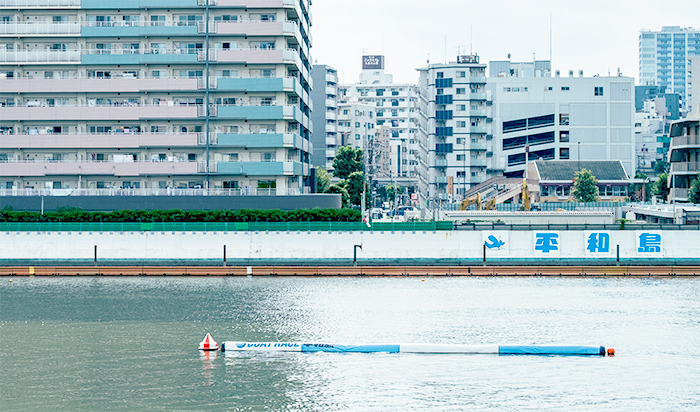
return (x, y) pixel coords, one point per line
(565, 169)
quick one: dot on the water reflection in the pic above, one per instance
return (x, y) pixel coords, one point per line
(131, 344)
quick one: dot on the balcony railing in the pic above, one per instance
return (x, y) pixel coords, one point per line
(39, 56)
(28, 29)
(685, 167)
(692, 140)
(150, 192)
(39, 3)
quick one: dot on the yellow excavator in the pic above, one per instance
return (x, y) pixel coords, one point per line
(491, 203)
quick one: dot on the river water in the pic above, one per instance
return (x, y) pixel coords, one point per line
(108, 344)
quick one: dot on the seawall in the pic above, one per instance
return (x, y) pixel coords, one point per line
(324, 248)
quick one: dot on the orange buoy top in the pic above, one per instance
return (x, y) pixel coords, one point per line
(611, 352)
(208, 343)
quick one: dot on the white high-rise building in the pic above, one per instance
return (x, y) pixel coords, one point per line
(663, 58)
(155, 95)
(397, 109)
(562, 118)
(459, 126)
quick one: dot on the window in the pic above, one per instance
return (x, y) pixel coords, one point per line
(460, 158)
(563, 119)
(598, 91)
(233, 157)
(461, 74)
(564, 136)
(565, 88)
(440, 75)
(564, 153)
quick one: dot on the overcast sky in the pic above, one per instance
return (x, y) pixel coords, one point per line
(592, 35)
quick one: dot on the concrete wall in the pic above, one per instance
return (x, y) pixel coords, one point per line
(336, 248)
(108, 203)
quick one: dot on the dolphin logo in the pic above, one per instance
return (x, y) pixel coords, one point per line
(240, 345)
(495, 243)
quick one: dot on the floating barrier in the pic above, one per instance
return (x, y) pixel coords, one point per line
(418, 348)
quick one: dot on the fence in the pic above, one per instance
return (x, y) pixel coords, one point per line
(219, 226)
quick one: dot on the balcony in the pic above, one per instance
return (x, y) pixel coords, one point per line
(270, 112)
(99, 141)
(331, 78)
(477, 129)
(117, 85)
(441, 180)
(477, 79)
(135, 112)
(679, 194)
(136, 29)
(139, 4)
(685, 167)
(25, 4)
(257, 28)
(257, 56)
(481, 146)
(440, 162)
(39, 29)
(39, 56)
(141, 56)
(477, 162)
(267, 84)
(477, 96)
(477, 112)
(260, 168)
(37, 169)
(690, 141)
(331, 141)
(259, 140)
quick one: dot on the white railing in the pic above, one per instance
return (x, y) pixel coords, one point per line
(19, 29)
(39, 56)
(39, 3)
(248, 191)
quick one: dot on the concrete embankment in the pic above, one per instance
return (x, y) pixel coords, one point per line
(349, 249)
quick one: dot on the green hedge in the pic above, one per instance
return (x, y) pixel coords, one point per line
(245, 215)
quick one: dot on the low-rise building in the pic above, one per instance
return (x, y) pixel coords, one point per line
(553, 181)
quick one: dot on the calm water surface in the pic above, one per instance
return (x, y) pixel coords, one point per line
(127, 344)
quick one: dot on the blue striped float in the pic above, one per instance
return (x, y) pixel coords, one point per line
(415, 348)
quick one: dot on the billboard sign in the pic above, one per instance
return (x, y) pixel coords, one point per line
(375, 62)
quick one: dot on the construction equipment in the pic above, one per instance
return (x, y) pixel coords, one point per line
(476, 199)
(525, 196)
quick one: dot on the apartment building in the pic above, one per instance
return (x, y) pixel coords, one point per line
(663, 58)
(684, 156)
(325, 116)
(398, 110)
(459, 126)
(155, 95)
(561, 118)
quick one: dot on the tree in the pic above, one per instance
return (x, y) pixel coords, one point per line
(338, 188)
(661, 188)
(694, 192)
(323, 180)
(353, 184)
(585, 189)
(661, 166)
(392, 191)
(347, 161)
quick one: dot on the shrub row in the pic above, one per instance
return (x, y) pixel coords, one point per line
(245, 215)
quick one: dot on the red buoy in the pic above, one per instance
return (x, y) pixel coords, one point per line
(208, 343)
